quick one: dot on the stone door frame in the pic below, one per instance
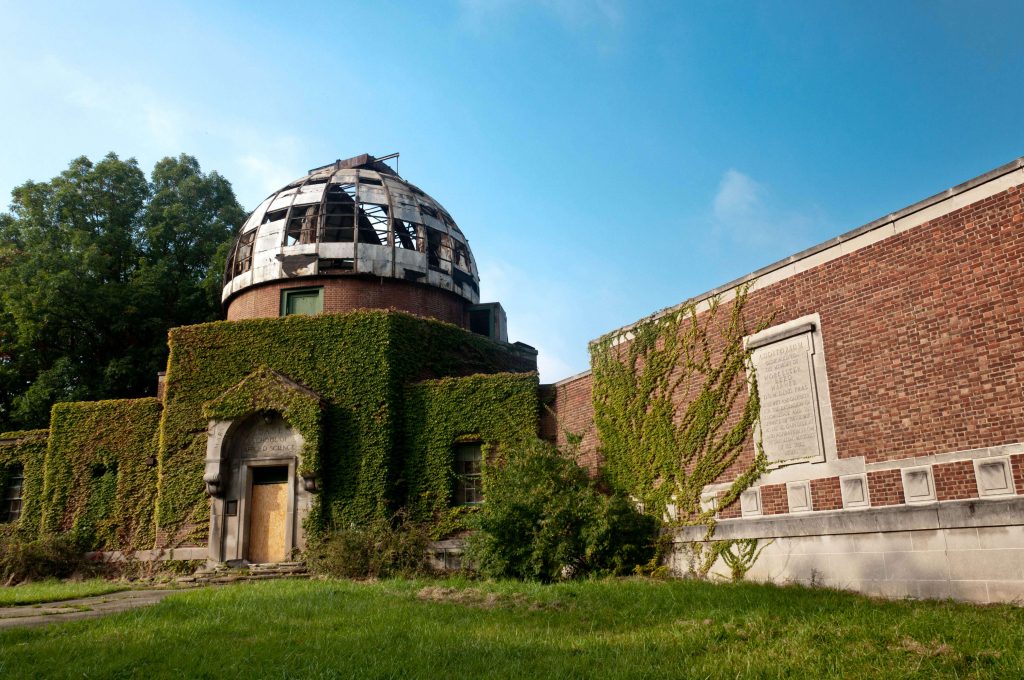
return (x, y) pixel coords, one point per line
(229, 473)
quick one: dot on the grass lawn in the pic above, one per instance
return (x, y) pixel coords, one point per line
(48, 591)
(461, 629)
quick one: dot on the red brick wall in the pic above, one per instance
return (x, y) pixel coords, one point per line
(774, 500)
(1017, 465)
(885, 487)
(346, 293)
(570, 409)
(955, 481)
(923, 335)
(826, 494)
(731, 511)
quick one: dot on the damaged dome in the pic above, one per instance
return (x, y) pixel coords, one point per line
(356, 216)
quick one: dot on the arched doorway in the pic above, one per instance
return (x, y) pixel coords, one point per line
(259, 500)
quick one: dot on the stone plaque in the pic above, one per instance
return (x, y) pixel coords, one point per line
(270, 438)
(790, 422)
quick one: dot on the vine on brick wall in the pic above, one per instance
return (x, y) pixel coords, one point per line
(25, 449)
(359, 363)
(99, 483)
(661, 457)
(498, 410)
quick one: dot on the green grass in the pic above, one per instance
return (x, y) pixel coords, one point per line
(460, 629)
(49, 591)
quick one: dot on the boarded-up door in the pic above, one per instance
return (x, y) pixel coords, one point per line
(268, 515)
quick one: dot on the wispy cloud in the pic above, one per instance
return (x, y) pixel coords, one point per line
(259, 160)
(745, 212)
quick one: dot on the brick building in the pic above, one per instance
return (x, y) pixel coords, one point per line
(897, 447)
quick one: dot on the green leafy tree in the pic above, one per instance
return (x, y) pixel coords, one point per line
(95, 266)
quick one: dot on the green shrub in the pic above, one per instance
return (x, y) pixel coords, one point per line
(378, 549)
(46, 557)
(544, 519)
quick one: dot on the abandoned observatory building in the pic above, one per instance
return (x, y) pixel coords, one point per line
(358, 372)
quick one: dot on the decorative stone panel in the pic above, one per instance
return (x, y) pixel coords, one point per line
(918, 484)
(854, 490)
(994, 477)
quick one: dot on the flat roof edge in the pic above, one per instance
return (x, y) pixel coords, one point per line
(985, 178)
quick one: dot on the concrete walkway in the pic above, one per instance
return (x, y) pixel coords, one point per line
(82, 608)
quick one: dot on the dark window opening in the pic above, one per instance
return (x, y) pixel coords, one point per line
(469, 488)
(339, 213)
(302, 225)
(439, 250)
(274, 215)
(370, 180)
(462, 256)
(373, 224)
(231, 508)
(337, 264)
(10, 510)
(242, 261)
(277, 474)
(480, 322)
(406, 235)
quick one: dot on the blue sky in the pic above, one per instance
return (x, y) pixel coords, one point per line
(605, 158)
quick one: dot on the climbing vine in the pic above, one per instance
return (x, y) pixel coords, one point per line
(100, 475)
(663, 455)
(497, 410)
(359, 364)
(26, 450)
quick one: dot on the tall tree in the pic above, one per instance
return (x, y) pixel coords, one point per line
(95, 266)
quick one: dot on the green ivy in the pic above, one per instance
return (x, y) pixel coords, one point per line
(99, 483)
(25, 449)
(268, 390)
(497, 410)
(661, 456)
(359, 364)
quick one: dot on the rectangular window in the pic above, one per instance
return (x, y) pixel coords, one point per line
(302, 301)
(469, 483)
(10, 511)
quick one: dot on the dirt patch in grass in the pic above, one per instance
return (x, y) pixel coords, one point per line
(474, 597)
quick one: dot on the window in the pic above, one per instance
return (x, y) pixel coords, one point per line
(468, 485)
(10, 511)
(302, 301)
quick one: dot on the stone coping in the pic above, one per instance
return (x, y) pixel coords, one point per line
(874, 225)
(941, 515)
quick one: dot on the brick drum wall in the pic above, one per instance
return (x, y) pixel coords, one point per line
(569, 408)
(346, 293)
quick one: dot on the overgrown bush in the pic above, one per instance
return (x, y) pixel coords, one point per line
(544, 519)
(378, 549)
(51, 556)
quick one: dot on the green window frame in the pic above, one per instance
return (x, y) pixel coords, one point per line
(302, 301)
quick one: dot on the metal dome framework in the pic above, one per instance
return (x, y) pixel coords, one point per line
(356, 216)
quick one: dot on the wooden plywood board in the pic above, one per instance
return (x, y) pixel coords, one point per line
(269, 512)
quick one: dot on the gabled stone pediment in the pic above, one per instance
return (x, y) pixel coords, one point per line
(262, 390)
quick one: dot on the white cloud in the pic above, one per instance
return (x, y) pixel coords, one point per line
(744, 211)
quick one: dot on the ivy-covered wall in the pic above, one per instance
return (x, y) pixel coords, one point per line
(358, 363)
(100, 483)
(25, 449)
(497, 409)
